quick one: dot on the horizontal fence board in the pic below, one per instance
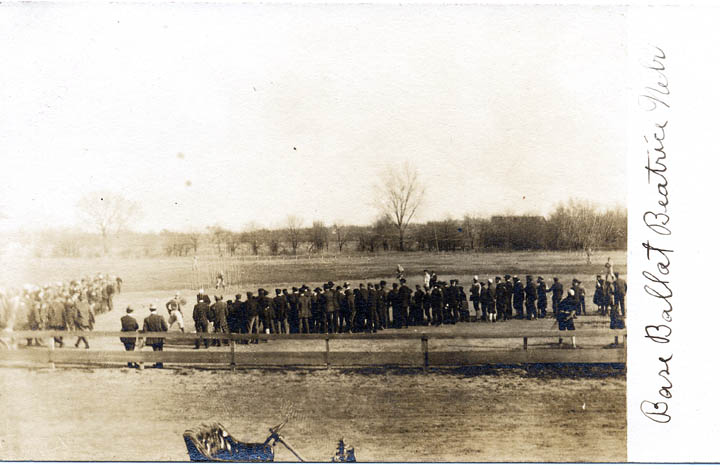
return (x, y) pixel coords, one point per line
(376, 358)
(531, 356)
(490, 334)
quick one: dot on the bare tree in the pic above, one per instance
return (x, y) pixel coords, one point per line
(400, 194)
(341, 234)
(108, 212)
(292, 232)
(194, 240)
(318, 236)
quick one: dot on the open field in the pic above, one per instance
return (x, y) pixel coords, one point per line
(472, 414)
(169, 274)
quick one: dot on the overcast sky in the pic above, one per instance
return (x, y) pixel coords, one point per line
(230, 114)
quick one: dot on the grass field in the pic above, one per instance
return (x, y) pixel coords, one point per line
(535, 413)
(169, 274)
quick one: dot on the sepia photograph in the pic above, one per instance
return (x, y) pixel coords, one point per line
(315, 233)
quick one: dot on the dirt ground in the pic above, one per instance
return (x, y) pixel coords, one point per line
(471, 414)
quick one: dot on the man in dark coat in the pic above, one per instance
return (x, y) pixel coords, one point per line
(129, 323)
(281, 307)
(453, 301)
(530, 298)
(509, 288)
(372, 320)
(327, 302)
(361, 304)
(557, 292)
(384, 312)
(518, 298)
(252, 314)
(201, 312)
(304, 310)
(339, 315)
(500, 297)
(404, 293)
(267, 313)
(293, 318)
(393, 299)
(155, 322)
(219, 314)
(437, 303)
(349, 308)
(475, 289)
(566, 314)
(417, 305)
(541, 297)
(57, 317)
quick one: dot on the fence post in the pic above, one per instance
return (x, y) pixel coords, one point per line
(232, 353)
(617, 342)
(525, 343)
(424, 344)
(137, 342)
(51, 364)
(327, 352)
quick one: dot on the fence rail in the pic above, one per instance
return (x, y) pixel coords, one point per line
(423, 357)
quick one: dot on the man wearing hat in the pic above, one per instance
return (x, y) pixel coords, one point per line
(518, 298)
(155, 322)
(129, 323)
(219, 314)
(281, 307)
(557, 291)
(404, 293)
(530, 297)
(201, 312)
(541, 297)
(304, 312)
(508, 297)
(490, 296)
(475, 290)
(566, 315)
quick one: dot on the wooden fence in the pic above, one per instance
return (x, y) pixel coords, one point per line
(245, 356)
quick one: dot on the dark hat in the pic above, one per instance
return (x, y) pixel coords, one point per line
(361, 285)
(317, 289)
(277, 291)
(338, 288)
(377, 285)
(507, 276)
(345, 284)
(238, 296)
(383, 283)
(402, 281)
(294, 289)
(556, 279)
(249, 294)
(331, 284)
(540, 278)
(395, 284)
(497, 278)
(260, 290)
(128, 310)
(417, 286)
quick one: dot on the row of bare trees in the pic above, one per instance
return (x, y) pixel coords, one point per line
(574, 225)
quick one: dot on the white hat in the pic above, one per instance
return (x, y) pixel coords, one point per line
(490, 280)
(152, 307)
(475, 278)
(201, 291)
(571, 291)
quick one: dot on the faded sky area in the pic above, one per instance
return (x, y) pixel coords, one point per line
(231, 114)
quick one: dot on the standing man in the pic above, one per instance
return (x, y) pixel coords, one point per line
(219, 315)
(541, 297)
(281, 307)
(393, 300)
(155, 322)
(303, 306)
(453, 301)
(566, 315)
(508, 297)
(383, 306)
(530, 297)
(404, 293)
(252, 313)
(620, 292)
(84, 320)
(436, 303)
(201, 314)
(557, 292)
(128, 323)
(417, 305)
(518, 298)
(500, 297)
(475, 290)
(372, 324)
